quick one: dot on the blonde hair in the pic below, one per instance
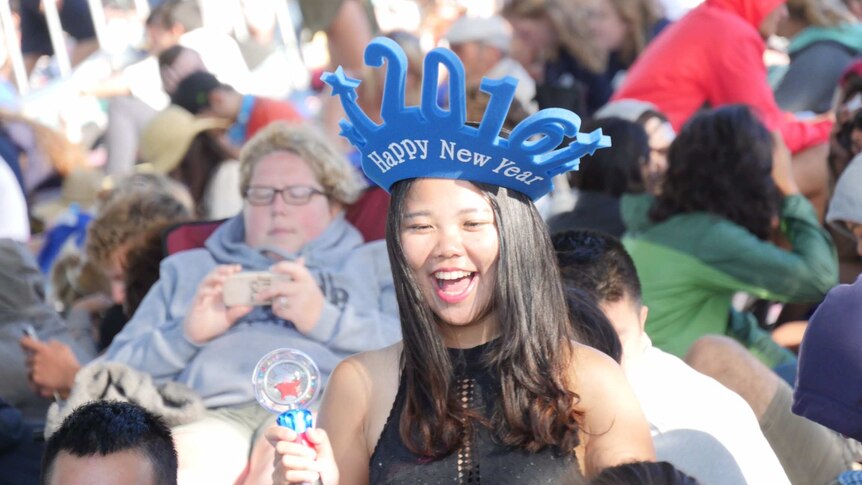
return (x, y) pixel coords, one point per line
(339, 179)
(820, 13)
(125, 216)
(569, 22)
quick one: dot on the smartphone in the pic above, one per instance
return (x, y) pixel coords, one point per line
(243, 288)
(29, 331)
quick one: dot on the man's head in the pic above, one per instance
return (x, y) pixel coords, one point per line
(599, 264)
(176, 63)
(200, 93)
(110, 442)
(169, 21)
(480, 43)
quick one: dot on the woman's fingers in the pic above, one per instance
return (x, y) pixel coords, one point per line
(274, 434)
(289, 448)
(320, 440)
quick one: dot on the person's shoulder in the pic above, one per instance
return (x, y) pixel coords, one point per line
(370, 258)
(381, 363)
(356, 378)
(184, 259)
(680, 379)
(593, 371)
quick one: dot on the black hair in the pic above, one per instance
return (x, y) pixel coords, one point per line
(643, 473)
(649, 114)
(532, 355)
(597, 263)
(590, 323)
(192, 92)
(615, 170)
(106, 427)
(141, 267)
(198, 167)
(721, 163)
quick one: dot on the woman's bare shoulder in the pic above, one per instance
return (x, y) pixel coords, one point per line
(380, 360)
(364, 385)
(591, 367)
(614, 428)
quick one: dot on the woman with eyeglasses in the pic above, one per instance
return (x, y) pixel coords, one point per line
(331, 295)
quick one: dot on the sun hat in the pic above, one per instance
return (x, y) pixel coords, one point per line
(167, 138)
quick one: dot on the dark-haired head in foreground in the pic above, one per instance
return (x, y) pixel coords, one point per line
(112, 443)
(643, 473)
(598, 264)
(721, 163)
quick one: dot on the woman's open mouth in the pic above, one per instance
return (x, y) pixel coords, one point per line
(454, 286)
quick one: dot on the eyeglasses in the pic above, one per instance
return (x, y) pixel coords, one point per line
(292, 194)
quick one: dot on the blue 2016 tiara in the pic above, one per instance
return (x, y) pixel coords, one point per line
(428, 141)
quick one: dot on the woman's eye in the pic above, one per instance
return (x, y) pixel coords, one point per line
(475, 224)
(418, 227)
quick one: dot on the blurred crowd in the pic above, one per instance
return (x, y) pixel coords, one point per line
(192, 141)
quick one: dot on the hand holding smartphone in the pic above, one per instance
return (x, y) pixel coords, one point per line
(243, 288)
(29, 331)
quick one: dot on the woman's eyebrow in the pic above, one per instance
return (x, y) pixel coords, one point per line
(413, 215)
(468, 210)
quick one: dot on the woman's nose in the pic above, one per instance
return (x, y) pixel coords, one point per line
(448, 243)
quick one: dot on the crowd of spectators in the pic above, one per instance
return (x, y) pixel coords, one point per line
(714, 252)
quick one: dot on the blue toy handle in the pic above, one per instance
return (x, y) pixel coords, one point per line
(299, 420)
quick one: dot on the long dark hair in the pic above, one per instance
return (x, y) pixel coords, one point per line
(532, 355)
(615, 171)
(198, 167)
(721, 163)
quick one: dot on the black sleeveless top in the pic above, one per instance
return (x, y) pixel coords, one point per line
(481, 459)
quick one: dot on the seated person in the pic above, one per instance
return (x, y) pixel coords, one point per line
(707, 236)
(23, 302)
(808, 451)
(111, 237)
(110, 442)
(202, 94)
(334, 296)
(604, 177)
(658, 130)
(685, 69)
(828, 390)
(187, 149)
(697, 425)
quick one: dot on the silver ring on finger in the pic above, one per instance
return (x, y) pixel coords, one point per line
(281, 302)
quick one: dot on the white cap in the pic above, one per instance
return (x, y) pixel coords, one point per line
(493, 31)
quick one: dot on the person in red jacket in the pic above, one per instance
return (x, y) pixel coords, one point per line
(200, 93)
(714, 56)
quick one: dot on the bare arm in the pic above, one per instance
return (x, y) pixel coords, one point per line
(340, 454)
(615, 429)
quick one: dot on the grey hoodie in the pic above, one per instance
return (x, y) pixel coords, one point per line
(846, 204)
(360, 313)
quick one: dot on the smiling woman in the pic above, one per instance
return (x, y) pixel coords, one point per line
(489, 384)
(449, 241)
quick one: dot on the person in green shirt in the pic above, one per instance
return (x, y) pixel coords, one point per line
(728, 189)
